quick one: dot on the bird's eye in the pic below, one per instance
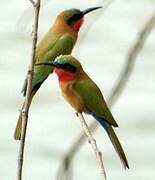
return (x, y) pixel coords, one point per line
(69, 67)
(74, 18)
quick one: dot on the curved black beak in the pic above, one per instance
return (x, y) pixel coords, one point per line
(49, 63)
(86, 11)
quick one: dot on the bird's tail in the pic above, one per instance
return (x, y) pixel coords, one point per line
(36, 83)
(114, 139)
(117, 145)
(18, 129)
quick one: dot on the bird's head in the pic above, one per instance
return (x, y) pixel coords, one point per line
(66, 67)
(74, 17)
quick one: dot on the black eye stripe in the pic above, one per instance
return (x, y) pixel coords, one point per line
(68, 67)
(74, 18)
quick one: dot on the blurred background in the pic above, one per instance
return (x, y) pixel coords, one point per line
(53, 126)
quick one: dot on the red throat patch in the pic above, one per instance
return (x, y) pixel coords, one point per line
(64, 75)
(76, 26)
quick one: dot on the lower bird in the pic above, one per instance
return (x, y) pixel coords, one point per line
(84, 96)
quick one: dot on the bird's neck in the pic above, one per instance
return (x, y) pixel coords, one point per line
(64, 76)
(60, 27)
(76, 26)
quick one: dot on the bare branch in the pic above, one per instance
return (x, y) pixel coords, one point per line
(25, 109)
(117, 90)
(92, 142)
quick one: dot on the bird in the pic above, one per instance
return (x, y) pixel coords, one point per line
(82, 93)
(60, 39)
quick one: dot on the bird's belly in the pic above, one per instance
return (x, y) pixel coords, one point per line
(74, 99)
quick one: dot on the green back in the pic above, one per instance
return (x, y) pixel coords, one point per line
(48, 49)
(93, 99)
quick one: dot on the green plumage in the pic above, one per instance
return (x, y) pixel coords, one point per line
(52, 45)
(62, 45)
(95, 104)
(84, 96)
(60, 39)
(93, 99)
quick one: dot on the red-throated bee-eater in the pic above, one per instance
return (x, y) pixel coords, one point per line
(60, 39)
(84, 96)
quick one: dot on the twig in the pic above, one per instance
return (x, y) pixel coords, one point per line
(117, 90)
(25, 109)
(92, 142)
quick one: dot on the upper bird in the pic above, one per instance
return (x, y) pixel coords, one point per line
(60, 39)
(85, 96)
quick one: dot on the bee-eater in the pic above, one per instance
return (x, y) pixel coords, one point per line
(60, 39)
(84, 96)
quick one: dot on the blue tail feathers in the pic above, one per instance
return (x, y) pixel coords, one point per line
(101, 120)
(113, 137)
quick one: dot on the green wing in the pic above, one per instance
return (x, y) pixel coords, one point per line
(93, 99)
(52, 46)
(57, 46)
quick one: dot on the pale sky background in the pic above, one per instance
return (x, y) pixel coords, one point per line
(53, 125)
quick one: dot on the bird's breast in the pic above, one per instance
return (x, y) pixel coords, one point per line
(72, 97)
